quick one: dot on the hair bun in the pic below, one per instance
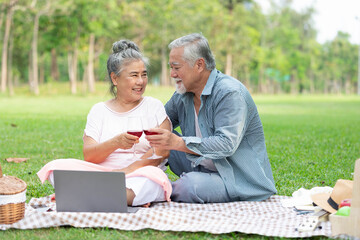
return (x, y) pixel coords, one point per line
(123, 45)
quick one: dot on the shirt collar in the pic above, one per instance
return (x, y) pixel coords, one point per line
(210, 83)
(207, 89)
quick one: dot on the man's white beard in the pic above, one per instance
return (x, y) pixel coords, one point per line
(180, 88)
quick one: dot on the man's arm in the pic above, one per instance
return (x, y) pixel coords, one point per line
(165, 139)
(229, 126)
(229, 121)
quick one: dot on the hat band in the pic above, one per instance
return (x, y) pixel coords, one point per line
(333, 204)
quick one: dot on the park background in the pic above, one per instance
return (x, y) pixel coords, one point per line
(53, 69)
(69, 41)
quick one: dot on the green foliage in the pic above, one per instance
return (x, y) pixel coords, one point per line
(283, 40)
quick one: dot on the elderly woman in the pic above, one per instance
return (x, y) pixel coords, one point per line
(108, 146)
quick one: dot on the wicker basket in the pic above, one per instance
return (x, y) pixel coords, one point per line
(12, 199)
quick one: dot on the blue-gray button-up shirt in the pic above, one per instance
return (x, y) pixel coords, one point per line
(232, 136)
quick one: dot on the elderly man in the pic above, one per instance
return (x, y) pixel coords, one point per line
(220, 155)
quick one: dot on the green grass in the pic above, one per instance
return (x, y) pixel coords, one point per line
(311, 141)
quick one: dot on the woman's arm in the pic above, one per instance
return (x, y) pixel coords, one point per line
(97, 152)
(153, 162)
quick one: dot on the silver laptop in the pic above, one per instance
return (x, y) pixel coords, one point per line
(89, 191)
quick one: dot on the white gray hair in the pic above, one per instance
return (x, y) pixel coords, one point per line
(123, 53)
(195, 46)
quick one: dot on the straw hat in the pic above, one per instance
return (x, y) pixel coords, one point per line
(330, 202)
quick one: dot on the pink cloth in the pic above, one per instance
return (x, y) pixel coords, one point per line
(153, 173)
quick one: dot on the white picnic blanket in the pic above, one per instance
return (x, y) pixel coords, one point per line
(268, 218)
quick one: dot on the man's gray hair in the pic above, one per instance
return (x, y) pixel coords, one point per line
(195, 46)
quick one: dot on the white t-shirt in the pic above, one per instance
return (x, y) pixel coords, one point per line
(103, 124)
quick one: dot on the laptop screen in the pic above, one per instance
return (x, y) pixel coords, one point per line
(90, 191)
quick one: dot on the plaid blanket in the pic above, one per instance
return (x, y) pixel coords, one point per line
(268, 218)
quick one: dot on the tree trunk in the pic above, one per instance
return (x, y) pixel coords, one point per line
(70, 70)
(10, 72)
(54, 67)
(41, 71)
(228, 69)
(326, 85)
(35, 78)
(348, 85)
(294, 83)
(91, 75)
(260, 81)
(267, 85)
(30, 75)
(336, 87)
(294, 86)
(84, 82)
(311, 73)
(165, 81)
(2, 13)
(74, 63)
(72, 66)
(1, 16)
(312, 85)
(246, 77)
(5, 50)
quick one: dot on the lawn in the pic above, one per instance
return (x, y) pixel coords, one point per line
(311, 141)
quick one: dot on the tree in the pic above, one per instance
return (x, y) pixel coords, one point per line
(38, 9)
(339, 56)
(159, 16)
(270, 53)
(234, 27)
(98, 29)
(163, 22)
(4, 71)
(288, 39)
(64, 35)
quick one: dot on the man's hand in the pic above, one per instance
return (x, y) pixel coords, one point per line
(164, 139)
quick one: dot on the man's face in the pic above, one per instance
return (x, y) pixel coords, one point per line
(180, 71)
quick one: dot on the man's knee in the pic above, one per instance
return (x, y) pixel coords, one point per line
(199, 187)
(178, 163)
(185, 189)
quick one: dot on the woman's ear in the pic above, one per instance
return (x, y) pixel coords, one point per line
(113, 78)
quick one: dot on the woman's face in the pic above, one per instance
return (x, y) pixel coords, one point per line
(131, 82)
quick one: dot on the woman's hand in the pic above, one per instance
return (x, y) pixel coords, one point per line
(97, 152)
(126, 170)
(139, 164)
(126, 140)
